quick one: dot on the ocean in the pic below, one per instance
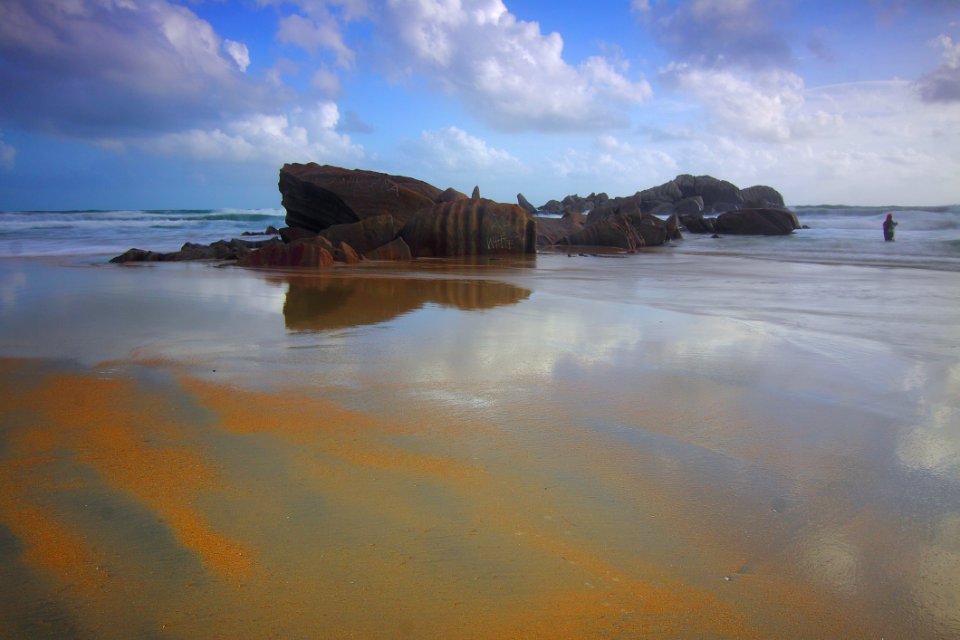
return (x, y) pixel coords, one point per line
(926, 237)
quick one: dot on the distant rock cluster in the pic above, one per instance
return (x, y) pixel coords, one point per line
(350, 215)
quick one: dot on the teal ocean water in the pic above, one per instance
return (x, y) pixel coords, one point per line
(926, 237)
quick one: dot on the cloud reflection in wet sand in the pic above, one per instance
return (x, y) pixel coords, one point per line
(481, 459)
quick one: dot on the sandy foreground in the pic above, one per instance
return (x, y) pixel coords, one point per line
(654, 446)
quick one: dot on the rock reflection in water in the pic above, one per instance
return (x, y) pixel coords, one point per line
(323, 303)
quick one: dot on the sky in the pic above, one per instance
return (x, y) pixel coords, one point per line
(152, 104)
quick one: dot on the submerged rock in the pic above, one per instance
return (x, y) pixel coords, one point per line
(765, 222)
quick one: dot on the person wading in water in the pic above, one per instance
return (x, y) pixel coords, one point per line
(889, 228)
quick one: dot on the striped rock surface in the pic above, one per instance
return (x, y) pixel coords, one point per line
(470, 228)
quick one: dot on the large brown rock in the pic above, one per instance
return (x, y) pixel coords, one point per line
(472, 227)
(623, 228)
(550, 231)
(365, 235)
(302, 254)
(319, 196)
(395, 250)
(758, 222)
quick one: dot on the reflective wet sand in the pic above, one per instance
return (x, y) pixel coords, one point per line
(580, 448)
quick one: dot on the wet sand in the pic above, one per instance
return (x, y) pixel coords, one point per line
(652, 446)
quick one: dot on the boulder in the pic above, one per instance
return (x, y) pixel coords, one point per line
(525, 204)
(698, 224)
(550, 231)
(219, 250)
(136, 255)
(302, 254)
(317, 197)
(689, 206)
(476, 193)
(624, 227)
(759, 196)
(292, 234)
(717, 195)
(347, 254)
(765, 222)
(365, 235)
(395, 250)
(470, 228)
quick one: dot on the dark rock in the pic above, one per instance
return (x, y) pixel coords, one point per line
(451, 195)
(550, 231)
(698, 224)
(304, 254)
(760, 196)
(136, 255)
(269, 231)
(365, 235)
(689, 206)
(624, 227)
(476, 193)
(317, 197)
(394, 250)
(219, 250)
(718, 195)
(292, 234)
(525, 204)
(346, 254)
(552, 206)
(470, 228)
(673, 228)
(765, 222)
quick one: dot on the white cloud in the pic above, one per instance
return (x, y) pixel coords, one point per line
(239, 52)
(719, 33)
(505, 70)
(454, 149)
(943, 83)
(768, 105)
(614, 166)
(326, 82)
(315, 33)
(303, 135)
(96, 67)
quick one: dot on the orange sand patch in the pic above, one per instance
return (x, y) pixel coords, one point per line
(111, 425)
(351, 436)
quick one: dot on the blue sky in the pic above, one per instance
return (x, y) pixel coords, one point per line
(197, 103)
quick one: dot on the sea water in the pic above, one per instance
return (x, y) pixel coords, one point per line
(96, 232)
(926, 237)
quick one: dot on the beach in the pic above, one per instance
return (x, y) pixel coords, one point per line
(668, 444)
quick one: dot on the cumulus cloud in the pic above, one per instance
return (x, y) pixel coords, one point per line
(453, 149)
(767, 105)
(614, 165)
(504, 70)
(302, 135)
(312, 34)
(91, 66)
(943, 84)
(719, 33)
(238, 52)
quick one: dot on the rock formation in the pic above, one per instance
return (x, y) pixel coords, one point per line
(525, 204)
(684, 195)
(317, 197)
(766, 222)
(472, 227)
